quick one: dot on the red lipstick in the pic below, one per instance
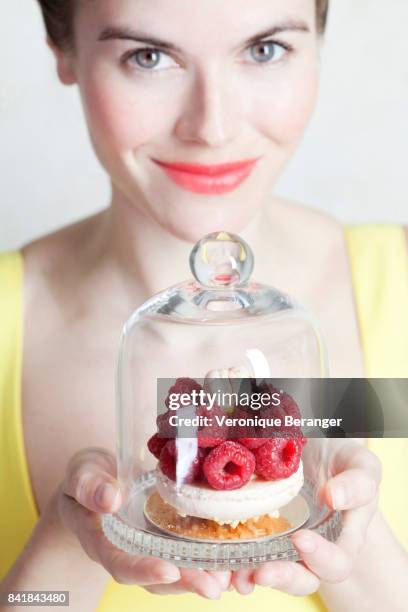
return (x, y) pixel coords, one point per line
(217, 179)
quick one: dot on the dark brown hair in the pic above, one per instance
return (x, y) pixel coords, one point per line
(58, 19)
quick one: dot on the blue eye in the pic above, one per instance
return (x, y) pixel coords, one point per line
(150, 59)
(267, 51)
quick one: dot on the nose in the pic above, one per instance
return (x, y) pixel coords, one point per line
(210, 115)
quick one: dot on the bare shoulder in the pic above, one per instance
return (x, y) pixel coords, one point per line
(315, 218)
(309, 231)
(68, 358)
(314, 259)
(48, 251)
(312, 227)
(47, 259)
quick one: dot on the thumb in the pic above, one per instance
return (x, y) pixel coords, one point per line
(351, 489)
(356, 475)
(91, 480)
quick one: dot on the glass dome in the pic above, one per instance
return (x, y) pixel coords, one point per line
(214, 394)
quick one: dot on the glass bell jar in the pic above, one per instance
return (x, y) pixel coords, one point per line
(219, 460)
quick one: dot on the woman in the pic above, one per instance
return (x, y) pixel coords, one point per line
(165, 86)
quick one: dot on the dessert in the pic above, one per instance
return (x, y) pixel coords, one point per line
(230, 485)
(227, 482)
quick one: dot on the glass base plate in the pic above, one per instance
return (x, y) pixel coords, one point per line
(132, 532)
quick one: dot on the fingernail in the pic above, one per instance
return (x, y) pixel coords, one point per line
(171, 576)
(339, 496)
(224, 579)
(264, 579)
(106, 495)
(305, 542)
(210, 594)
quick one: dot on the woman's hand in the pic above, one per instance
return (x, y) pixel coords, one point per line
(352, 489)
(90, 487)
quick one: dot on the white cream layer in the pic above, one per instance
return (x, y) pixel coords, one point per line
(254, 499)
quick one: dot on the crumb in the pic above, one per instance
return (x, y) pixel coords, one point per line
(165, 516)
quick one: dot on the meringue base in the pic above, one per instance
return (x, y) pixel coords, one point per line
(256, 498)
(164, 516)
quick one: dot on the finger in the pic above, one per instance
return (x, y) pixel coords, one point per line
(289, 577)
(90, 480)
(354, 528)
(223, 578)
(144, 571)
(200, 582)
(356, 475)
(242, 581)
(80, 524)
(325, 559)
(191, 581)
(125, 569)
(333, 562)
(166, 589)
(350, 455)
(352, 488)
(178, 588)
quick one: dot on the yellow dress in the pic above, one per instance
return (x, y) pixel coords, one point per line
(378, 259)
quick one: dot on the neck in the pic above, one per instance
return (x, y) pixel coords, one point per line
(144, 254)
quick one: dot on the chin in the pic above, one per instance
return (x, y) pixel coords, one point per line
(192, 226)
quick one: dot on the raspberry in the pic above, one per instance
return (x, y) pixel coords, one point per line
(229, 466)
(245, 434)
(164, 428)
(211, 435)
(208, 442)
(289, 406)
(208, 435)
(273, 431)
(291, 433)
(155, 445)
(287, 403)
(278, 458)
(252, 443)
(169, 458)
(278, 412)
(203, 453)
(239, 432)
(183, 385)
(167, 430)
(270, 390)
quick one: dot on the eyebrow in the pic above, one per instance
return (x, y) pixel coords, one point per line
(123, 33)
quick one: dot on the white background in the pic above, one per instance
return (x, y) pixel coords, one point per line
(352, 161)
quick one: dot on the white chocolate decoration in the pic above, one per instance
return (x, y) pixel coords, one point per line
(221, 380)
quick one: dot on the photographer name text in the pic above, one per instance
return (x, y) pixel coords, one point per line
(227, 421)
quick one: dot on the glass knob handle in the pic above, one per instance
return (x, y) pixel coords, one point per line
(221, 260)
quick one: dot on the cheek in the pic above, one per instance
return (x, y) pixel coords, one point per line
(121, 116)
(288, 103)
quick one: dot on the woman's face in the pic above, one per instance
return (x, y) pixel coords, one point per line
(217, 82)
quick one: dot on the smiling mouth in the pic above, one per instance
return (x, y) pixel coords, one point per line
(214, 179)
